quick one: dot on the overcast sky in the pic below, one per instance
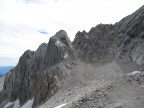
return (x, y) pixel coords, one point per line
(25, 24)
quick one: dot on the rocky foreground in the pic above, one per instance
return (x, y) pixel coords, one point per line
(99, 69)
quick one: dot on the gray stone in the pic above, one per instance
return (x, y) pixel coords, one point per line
(97, 45)
(40, 74)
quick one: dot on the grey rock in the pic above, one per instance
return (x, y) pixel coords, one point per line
(40, 74)
(123, 41)
(97, 45)
(131, 26)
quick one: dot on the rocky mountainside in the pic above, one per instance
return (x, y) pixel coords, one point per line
(104, 42)
(39, 74)
(89, 72)
(97, 45)
(130, 37)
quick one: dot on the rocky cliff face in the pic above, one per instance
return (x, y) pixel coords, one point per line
(130, 34)
(97, 45)
(123, 41)
(40, 74)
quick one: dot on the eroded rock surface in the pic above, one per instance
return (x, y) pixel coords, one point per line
(97, 45)
(40, 74)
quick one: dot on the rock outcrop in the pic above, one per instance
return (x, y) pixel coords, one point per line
(97, 45)
(40, 74)
(123, 40)
(130, 35)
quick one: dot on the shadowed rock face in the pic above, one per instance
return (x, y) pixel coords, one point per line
(97, 45)
(130, 35)
(124, 41)
(59, 48)
(40, 74)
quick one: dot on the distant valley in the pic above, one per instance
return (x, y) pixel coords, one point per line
(4, 70)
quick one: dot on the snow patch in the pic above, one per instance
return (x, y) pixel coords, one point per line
(16, 104)
(60, 106)
(8, 104)
(28, 104)
(58, 43)
(134, 72)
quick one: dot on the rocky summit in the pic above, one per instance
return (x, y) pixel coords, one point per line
(102, 68)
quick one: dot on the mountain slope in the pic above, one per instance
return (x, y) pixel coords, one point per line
(80, 73)
(39, 74)
(96, 45)
(130, 37)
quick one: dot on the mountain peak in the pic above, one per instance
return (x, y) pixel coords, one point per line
(105, 50)
(60, 37)
(61, 33)
(46, 67)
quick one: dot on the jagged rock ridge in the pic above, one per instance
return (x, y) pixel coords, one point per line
(40, 74)
(123, 40)
(97, 45)
(130, 37)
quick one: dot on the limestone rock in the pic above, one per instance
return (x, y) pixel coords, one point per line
(131, 30)
(40, 74)
(97, 45)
